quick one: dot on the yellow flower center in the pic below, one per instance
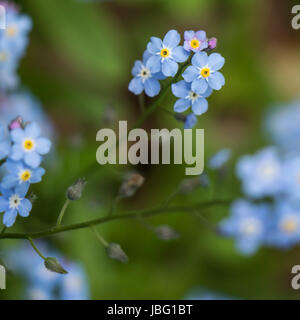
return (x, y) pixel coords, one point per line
(25, 175)
(289, 225)
(195, 43)
(28, 144)
(3, 56)
(11, 31)
(205, 72)
(164, 53)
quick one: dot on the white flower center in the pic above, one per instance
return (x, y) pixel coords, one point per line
(268, 171)
(193, 96)
(250, 226)
(14, 201)
(289, 225)
(145, 73)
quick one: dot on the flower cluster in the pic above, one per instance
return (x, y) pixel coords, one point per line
(13, 44)
(161, 60)
(42, 284)
(271, 174)
(22, 149)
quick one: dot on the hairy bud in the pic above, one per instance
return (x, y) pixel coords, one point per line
(53, 265)
(16, 123)
(32, 197)
(74, 192)
(130, 185)
(115, 252)
(166, 233)
(212, 43)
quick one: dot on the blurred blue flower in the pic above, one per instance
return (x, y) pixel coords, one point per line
(201, 294)
(261, 174)
(220, 159)
(283, 126)
(204, 72)
(166, 54)
(13, 202)
(19, 173)
(291, 176)
(285, 225)
(248, 224)
(4, 143)
(195, 41)
(28, 145)
(189, 98)
(190, 121)
(145, 78)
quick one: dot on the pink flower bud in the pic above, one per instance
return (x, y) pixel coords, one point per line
(212, 43)
(16, 124)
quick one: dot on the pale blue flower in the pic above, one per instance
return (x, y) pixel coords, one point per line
(190, 121)
(220, 159)
(13, 202)
(204, 72)
(261, 174)
(195, 41)
(28, 145)
(145, 78)
(291, 176)
(248, 224)
(166, 54)
(285, 225)
(19, 173)
(189, 98)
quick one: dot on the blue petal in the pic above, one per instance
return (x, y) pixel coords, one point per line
(7, 192)
(12, 166)
(154, 64)
(181, 89)
(171, 39)
(136, 68)
(169, 68)
(17, 135)
(136, 86)
(190, 122)
(216, 80)
(181, 105)
(25, 208)
(33, 159)
(4, 204)
(4, 149)
(43, 146)
(22, 189)
(190, 74)
(207, 93)
(200, 59)
(215, 61)
(201, 35)
(17, 152)
(32, 130)
(9, 217)
(37, 175)
(9, 181)
(199, 85)
(200, 106)
(189, 35)
(152, 87)
(179, 54)
(155, 45)
(158, 76)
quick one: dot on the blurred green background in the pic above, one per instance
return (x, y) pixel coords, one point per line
(78, 64)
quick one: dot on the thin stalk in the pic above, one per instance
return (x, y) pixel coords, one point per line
(99, 237)
(36, 249)
(62, 212)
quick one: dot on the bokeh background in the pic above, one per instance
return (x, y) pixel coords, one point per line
(78, 64)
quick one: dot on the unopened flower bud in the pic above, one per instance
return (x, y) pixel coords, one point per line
(212, 43)
(180, 117)
(74, 192)
(115, 252)
(32, 197)
(131, 185)
(53, 265)
(166, 233)
(16, 123)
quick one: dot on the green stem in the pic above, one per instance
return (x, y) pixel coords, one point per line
(123, 216)
(142, 102)
(62, 212)
(36, 249)
(99, 237)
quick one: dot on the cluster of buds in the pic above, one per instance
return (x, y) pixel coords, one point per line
(131, 184)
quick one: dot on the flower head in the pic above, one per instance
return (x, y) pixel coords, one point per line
(204, 72)
(188, 97)
(13, 202)
(19, 173)
(145, 78)
(261, 174)
(220, 159)
(28, 145)
(166, 53)
(247, 224)
(190, 121)
(195, 41)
